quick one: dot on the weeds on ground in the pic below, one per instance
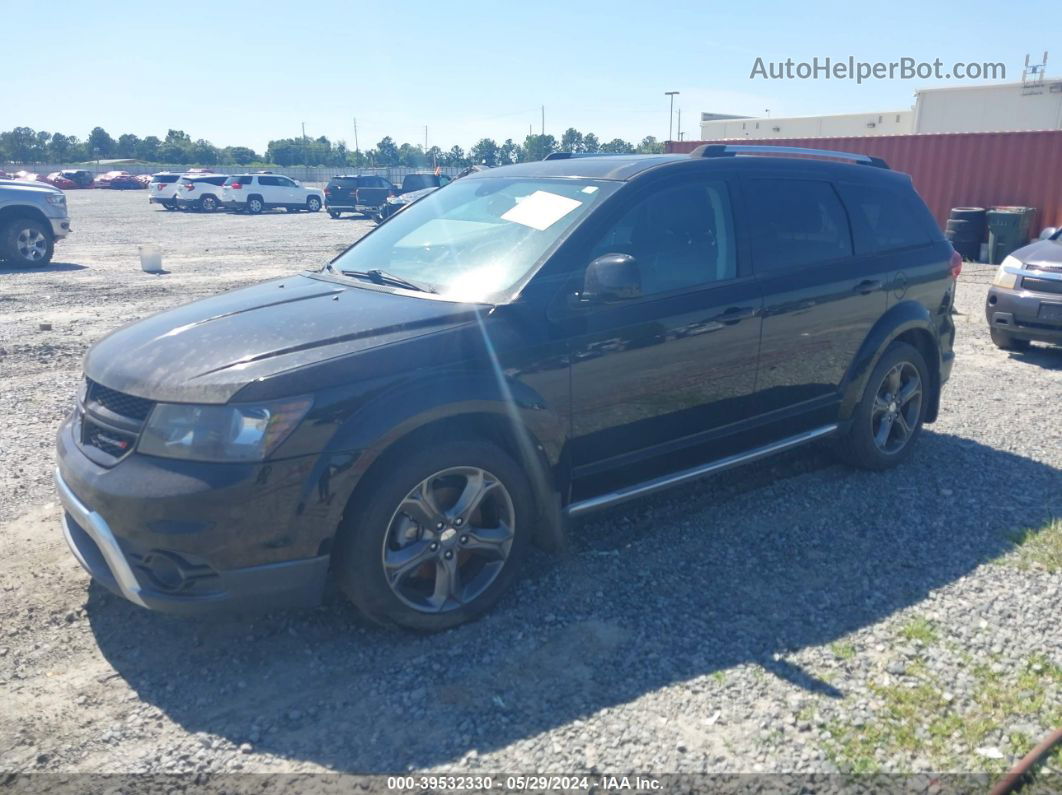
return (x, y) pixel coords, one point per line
(918, 717)
(1040, 548)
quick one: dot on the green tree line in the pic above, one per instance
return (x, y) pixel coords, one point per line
(25, 145)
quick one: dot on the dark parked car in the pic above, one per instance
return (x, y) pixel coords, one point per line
(79, 176)
(1025, 300)
(401, 202)
(531, 344)
(357, 193)
(414, 182)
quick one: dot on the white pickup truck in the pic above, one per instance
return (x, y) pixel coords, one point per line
(32, 217)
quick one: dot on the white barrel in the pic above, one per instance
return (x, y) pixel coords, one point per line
(150, 259)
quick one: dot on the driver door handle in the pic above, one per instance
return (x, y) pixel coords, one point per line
(867, 286)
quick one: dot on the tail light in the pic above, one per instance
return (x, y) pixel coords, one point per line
(356, 198)
(956, 264)
(189, 186)
(236, 186)
(328, 191)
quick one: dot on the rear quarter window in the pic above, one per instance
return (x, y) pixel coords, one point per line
(883, 218)
(794, 223)
(165, 179)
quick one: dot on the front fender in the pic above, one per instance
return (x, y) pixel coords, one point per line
(899, 319)
(404, 407)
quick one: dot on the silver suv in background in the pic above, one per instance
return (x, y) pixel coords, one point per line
(32, 217)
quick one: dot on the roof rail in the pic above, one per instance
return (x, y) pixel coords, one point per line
(570, 155)
(731, 150)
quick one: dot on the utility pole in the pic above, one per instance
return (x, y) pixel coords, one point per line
(357, 151)
(680, 124)
(425, 137)
(543, 119)
(671, 113)
(304, 131)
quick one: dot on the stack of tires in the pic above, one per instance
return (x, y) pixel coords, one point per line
(966, 231)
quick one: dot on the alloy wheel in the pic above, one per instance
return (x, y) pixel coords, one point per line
(32, 244)
(449, 539)
(897, 408)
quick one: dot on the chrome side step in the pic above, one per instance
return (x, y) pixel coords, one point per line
(687, 475)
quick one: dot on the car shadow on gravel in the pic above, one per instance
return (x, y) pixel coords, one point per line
(1047, 357)
(741, 569)
(51, 267)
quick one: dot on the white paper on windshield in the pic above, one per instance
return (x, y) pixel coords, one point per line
(540, 210)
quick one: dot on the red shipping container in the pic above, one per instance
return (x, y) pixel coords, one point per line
(958, 169)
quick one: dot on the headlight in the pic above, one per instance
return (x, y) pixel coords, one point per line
(221, 433)
(58, 199)
(1004, 279)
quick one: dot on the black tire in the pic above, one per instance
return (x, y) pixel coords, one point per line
(170, 205)
(313, 204)
(1007, 342)
(208, 204)
(255, 205)
(976, 214)
(964, 230)
(373, 518)
(862, 444)
(333, 213)
(26, 243)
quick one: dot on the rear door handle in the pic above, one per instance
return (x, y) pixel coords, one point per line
(867, 286)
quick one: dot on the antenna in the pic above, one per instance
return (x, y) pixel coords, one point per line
(1032, 75)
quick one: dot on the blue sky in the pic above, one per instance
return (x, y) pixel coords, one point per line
(238, 72)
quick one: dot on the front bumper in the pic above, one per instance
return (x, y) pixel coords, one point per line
(1017, 312)
(190, 540)
(60, 227)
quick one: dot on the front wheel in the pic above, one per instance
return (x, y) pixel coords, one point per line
(170, 205)
(1006, 342)
(313, 204)
(889, 418)
(436, 537)
(255, 205)
(26, 243)
(208, 204)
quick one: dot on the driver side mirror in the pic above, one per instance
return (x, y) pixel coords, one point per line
(612, 277)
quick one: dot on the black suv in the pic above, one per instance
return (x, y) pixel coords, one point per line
(357, 193)
(531, 344)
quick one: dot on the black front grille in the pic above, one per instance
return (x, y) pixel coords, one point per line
(112, 442)
(1041, 285)
(130, 406)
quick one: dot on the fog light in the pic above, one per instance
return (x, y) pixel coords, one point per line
(165, 572)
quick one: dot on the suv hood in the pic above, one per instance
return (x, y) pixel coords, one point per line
(206, 351)
(1042, 255)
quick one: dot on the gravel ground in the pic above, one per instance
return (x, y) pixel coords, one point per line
(794, 615)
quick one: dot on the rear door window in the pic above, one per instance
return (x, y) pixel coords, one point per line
(165, 179)
(266, 180)
(795, 223)
(882, 219)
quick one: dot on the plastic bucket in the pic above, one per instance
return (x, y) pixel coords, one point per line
(150, 259)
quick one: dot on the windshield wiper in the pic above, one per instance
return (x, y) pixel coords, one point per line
(378, 276)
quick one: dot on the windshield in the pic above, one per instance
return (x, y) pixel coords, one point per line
(475, 239)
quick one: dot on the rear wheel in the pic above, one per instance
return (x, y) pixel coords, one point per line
(170, 205)
(1008, 342)
(26, 243)
(889, 418)
(333, 213)
(255, 205)
(313, 204)
(436, 539)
